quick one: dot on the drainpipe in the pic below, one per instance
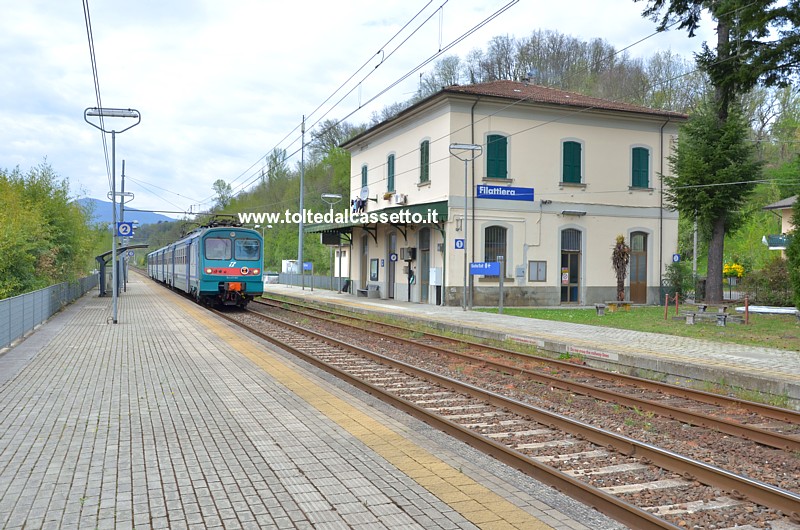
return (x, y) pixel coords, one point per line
(661, 212)
(472, 196)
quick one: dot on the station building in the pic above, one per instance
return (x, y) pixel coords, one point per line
(558, 177)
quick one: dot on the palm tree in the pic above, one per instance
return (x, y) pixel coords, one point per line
(619, 260)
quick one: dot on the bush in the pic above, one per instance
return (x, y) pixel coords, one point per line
(678, 280)
(770, 285)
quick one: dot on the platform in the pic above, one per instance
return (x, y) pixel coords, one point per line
(174, 419)
(680, 360)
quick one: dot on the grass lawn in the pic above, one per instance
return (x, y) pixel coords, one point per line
(772, 331)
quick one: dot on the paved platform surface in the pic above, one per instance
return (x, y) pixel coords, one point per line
(769, 370)
(173, 419)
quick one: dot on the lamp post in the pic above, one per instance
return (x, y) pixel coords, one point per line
(112, 113)
(263, 245)
(331, 199)
(467, 153)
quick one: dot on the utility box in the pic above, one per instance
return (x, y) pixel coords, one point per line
(435, 276)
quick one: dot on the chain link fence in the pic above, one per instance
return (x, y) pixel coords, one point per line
(20, 314)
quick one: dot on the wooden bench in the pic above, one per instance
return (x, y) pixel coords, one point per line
(618, 305)
(372, 291)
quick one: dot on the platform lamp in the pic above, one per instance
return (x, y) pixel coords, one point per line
(263, 236)
(101, 113)
(331, 199)
(467, 153)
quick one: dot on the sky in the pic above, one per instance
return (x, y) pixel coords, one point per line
(219, 85)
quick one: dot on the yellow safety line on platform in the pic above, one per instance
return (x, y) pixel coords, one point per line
(473, 501)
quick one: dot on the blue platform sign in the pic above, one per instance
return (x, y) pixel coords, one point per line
(507, 193)
(307, 266)
(124, 229)
(485, 268)
(459, 244)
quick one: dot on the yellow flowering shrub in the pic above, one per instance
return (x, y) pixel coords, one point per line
(732, 269)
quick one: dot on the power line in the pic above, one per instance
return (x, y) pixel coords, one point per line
(96, 79)
(441, 51)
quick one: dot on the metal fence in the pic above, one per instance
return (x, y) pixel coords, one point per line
(20, 314)
(317, 282)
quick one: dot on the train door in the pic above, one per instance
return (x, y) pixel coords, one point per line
(188, 264)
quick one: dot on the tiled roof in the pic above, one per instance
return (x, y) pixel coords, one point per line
(780, 205)
(552, 96)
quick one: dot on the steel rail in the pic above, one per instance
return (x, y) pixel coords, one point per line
(755, 491)
(755, 434)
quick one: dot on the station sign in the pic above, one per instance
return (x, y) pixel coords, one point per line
(508, 193)
(459, 243)
(485, 268)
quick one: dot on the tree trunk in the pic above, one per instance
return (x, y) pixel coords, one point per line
(715, 251)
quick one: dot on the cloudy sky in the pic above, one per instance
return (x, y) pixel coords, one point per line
(219, 85)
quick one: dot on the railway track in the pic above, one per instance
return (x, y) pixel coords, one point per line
(636, 482)
(764, 424)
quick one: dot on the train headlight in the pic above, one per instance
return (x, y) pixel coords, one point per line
(256, 271)
(208, 270)
(245, 271)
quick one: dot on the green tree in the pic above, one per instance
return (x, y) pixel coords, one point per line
(45, 236)
(714, 168)
(746, 53)
(224, 193)
(793, 253)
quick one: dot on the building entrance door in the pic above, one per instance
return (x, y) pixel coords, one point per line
(639, 268)
(570, 266)
(424, 264)
(391, 248)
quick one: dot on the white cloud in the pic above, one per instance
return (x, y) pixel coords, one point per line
(219, 84)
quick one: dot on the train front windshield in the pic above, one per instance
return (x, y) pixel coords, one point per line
(244, 249)
(247, 249)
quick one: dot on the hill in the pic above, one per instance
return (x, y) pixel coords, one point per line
(101, 213)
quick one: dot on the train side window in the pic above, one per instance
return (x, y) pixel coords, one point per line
(217, 248)
(247, 249)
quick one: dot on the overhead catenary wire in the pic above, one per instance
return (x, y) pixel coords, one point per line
(341, 86)
(96, 80)
(431, 58)
(565, 114)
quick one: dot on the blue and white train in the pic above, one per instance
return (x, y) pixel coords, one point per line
(215, 264)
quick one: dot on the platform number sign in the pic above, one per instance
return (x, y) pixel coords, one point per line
(459, 244)
(124, 229)
(676, 258)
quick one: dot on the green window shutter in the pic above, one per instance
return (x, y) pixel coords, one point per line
(496, 156)
(363, 176)
(390, 173)
(641, 168)
(424, 161)
(572, 162)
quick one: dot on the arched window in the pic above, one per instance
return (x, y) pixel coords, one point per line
(494, 243)
(363, 175)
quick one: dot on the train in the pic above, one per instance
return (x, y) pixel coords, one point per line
(220, 263)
